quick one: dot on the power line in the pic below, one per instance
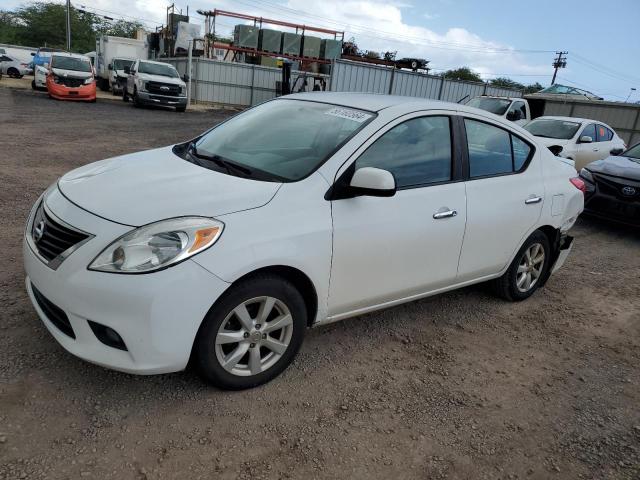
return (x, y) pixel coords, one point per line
(604, 70)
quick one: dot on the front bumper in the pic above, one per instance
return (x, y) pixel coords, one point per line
(154, 99)
(157, 315)
(62, 92)
(607, 207)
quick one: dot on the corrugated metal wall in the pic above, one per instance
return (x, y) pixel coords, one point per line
(239, 84)
(348, 76)
(624, 118)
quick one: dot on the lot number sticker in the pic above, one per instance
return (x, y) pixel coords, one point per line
(355, 115)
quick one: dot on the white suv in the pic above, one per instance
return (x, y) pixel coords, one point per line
(299, 212)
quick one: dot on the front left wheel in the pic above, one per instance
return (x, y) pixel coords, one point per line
(251, 334)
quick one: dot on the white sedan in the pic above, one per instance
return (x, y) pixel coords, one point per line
(13, 67)
(578, 139)
(302, 211)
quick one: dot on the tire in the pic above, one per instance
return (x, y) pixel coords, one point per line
(33, 85)
(255, 361)
(524, 277)
(14, 73)
(125, 97)
(181, 109)
(136, 100)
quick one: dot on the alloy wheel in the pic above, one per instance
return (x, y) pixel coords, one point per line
(530, 267)
(254, 336)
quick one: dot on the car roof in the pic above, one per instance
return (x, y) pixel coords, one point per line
(157, 63)
(374, 102)
(571, 119)
(70, 55)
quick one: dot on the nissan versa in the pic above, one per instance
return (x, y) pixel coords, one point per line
(301, 211)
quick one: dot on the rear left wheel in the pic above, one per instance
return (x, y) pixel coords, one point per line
(251, 334)
(14, 73)
(527, 270)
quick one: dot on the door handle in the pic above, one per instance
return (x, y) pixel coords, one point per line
(532, 200)
(445, 214)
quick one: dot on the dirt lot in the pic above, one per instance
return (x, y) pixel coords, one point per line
(457, 386)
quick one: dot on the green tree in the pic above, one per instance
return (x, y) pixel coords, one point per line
(504, 82)
(464, 73)
(533, 88)
(44, 23)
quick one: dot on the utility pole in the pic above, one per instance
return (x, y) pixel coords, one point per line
(558, 62)
(68, 25)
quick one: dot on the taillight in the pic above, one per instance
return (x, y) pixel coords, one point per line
(579, 184)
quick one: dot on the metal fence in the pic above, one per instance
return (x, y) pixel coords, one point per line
(241, 84)
(348, 76)
(238, 84)
(624, 118)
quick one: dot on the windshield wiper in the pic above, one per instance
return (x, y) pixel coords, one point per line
(221, 162)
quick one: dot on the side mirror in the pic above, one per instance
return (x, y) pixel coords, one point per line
(616, 151)
(185, 78)
(127, 69)
(110, 67)
(586, 139)
(512, 116)
(374, 182)
(33, 54)
(555, 149)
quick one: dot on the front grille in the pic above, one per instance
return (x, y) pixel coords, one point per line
(614, 187)
(160, 88)
(52, 238)
(71, 82)
(53, 313)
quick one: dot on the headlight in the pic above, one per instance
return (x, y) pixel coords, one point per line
(183, 90)
(141, 85)
(56, 79)
(586, 174)
(158, 245)
(88, 81)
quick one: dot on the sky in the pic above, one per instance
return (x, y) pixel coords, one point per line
(513, 38)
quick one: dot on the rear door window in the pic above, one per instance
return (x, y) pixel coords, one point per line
(493, 150)
(604, 134)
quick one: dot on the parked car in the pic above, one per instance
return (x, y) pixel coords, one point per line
(513, 109)
(613, 186)
(13, 67)
(155, 83)
(578, 139)
(70, 77)
(43, 55)
(40, 73)
(301, 211)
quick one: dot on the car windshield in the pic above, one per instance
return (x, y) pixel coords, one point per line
(560, 129)
(71, 63)
(119, 64)
(493, 105)
(633, 152)
(284, 139)
(161, 69)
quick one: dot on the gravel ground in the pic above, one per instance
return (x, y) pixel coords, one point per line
(457, 386)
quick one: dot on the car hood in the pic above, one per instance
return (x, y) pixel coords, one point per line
(617, 166)
(61, 72)
(148, 186)
(160, 78)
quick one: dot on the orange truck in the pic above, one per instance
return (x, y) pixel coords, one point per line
(71, 77)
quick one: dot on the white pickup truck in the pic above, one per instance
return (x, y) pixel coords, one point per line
(515, 109)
